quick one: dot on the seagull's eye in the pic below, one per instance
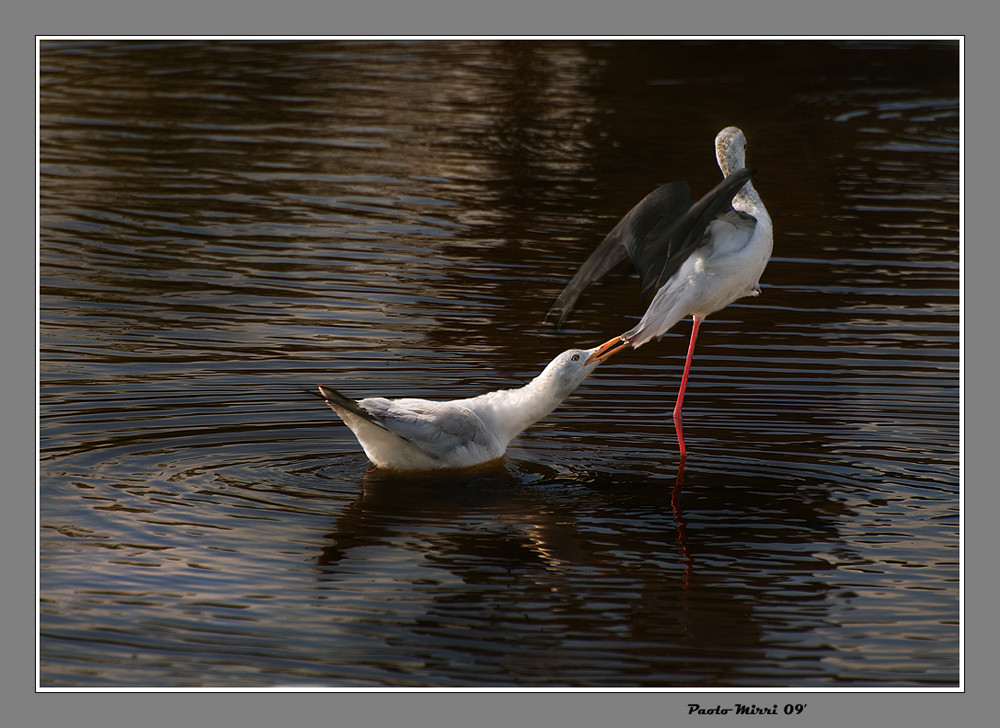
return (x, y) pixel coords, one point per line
(576, 357)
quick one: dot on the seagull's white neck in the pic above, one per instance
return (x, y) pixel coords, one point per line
(509, 411)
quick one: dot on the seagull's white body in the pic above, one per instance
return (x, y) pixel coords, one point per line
(727, 266)
(419, 434)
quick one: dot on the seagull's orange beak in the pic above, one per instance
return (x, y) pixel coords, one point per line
(608, 349)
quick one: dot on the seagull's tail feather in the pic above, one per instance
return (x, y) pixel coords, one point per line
(338, 401)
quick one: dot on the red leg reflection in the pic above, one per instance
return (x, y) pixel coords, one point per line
(675, 505)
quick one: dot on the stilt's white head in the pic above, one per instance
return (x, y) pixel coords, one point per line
(730, 150)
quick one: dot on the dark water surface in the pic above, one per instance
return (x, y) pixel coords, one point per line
(226, 224)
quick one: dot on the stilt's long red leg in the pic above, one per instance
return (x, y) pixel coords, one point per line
(678, 416)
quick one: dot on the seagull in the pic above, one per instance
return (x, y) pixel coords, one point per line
(693, 259)
(418, 434)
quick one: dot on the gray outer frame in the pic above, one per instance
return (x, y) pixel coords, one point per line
(24, 706)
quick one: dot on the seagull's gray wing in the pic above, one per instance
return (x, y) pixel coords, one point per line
(638, 231)
(438, 428)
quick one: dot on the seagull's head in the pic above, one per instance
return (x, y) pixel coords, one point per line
(567, 370)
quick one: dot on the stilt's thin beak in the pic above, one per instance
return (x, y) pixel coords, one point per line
(608, 349)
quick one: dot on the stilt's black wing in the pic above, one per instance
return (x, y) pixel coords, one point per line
(657, 259)
(640, 230)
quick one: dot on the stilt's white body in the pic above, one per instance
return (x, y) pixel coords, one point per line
(727, 267)
(418, 434)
